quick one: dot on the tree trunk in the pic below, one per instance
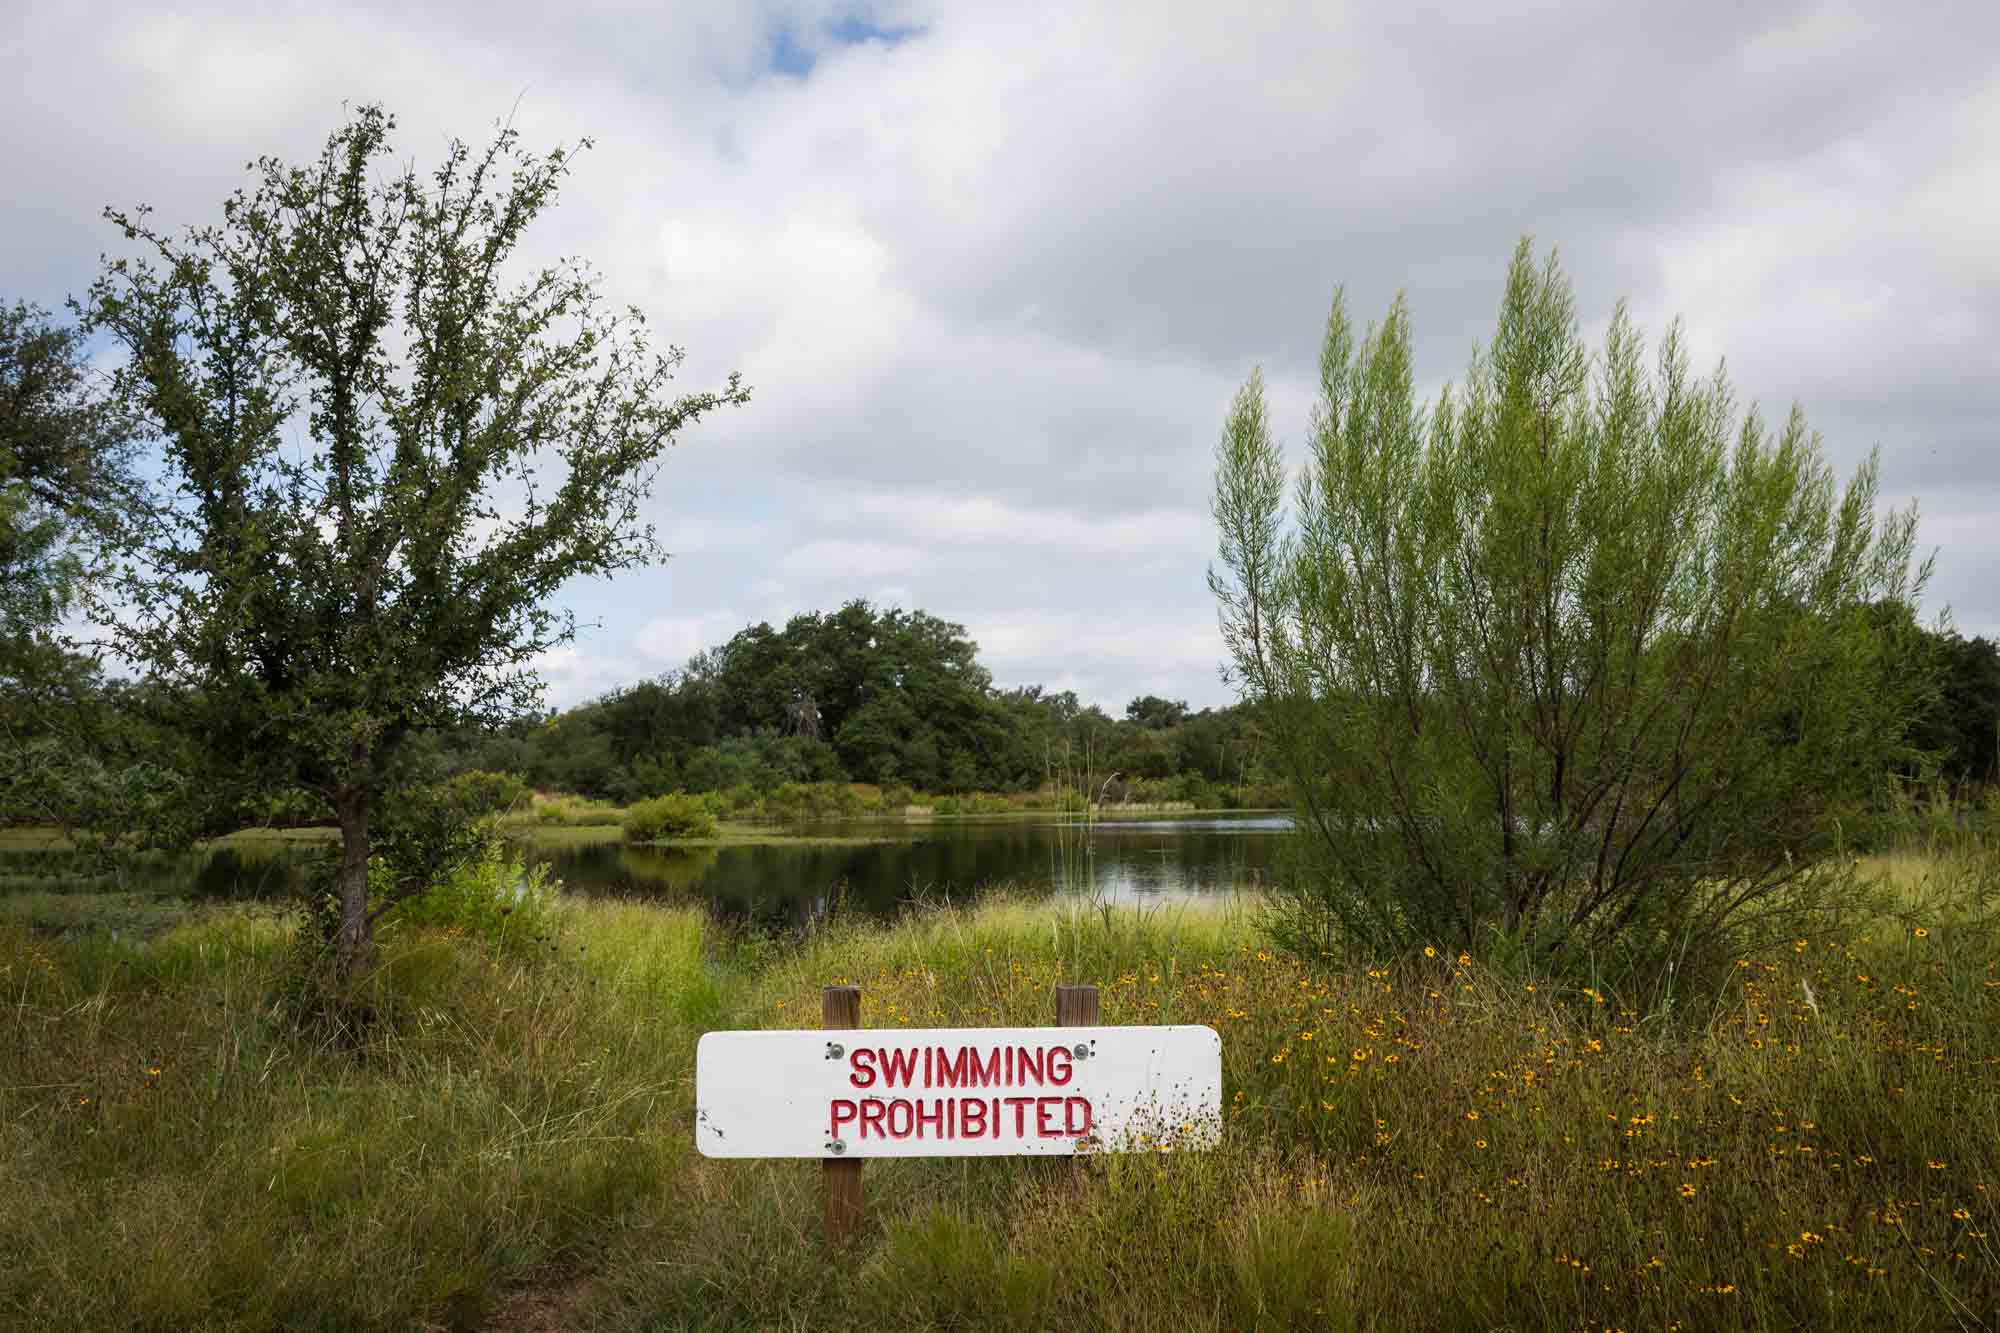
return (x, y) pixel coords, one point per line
(354, 941)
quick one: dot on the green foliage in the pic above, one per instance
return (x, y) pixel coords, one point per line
(1803, 1146)
(668, 819)
(425, 835)
(289, 808)
(572, 812)
(1575, 655)
(1962, 725)
(343, 388)
(893, 699)
(975, 803)
(66, 481)
(808, 802)
(492, 895)
(485, 793)
(1156, 714)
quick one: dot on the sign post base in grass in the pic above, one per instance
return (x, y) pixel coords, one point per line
(840, 1007)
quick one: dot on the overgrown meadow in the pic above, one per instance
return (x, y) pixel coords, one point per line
(495, 1129)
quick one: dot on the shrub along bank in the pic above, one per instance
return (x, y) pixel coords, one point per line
(497, 1125)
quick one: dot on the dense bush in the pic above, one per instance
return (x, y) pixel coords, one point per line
(574, 812)
(493, 895)
(668, 818)
(805, 802)
(423, 836)
(290, 807)
(488, 793)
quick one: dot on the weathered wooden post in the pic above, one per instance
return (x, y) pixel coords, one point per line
(840, 1008)
(1076, 1006)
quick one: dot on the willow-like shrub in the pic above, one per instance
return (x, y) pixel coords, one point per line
(666, 818)
(1574, 662)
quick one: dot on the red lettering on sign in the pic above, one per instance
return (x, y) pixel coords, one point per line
(842, 1112)
(953, 1072)
(862, 1062)
(1020, 1105)
(1031, 1065)
(871, 1117)
(1060, 1065)
(897, 1067)
(902, 1130)
(1070, 1107)
(987, 1075)
(933, 1117)
(972, 1119)
(1045, 1117)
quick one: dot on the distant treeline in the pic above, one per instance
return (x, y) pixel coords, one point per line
(895, 698)
(899, 699)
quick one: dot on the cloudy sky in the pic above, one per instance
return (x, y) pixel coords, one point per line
(995, 271)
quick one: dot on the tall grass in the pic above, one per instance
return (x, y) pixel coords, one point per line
(1808, 1142)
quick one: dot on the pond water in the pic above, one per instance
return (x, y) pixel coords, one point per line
(791, 883)
(869, 867)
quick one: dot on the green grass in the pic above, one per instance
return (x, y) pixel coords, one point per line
(1808, 1142)
(113, 913)
(727, 835)
(565, 811)
(35, 839)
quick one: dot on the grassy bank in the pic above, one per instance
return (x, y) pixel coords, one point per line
(1806, 1141)
(819, 802)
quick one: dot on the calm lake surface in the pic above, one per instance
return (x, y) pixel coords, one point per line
(1143, 859)
(869, 867)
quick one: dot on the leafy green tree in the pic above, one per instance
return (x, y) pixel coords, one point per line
(1575, 655)
(1971, 700)
(382, 457)
(1156, 714)
(1962, 724)
(65, 480)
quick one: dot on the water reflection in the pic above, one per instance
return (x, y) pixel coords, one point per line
(787, 886)
(873, 869)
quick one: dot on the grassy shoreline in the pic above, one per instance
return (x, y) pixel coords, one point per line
(1810, 1142)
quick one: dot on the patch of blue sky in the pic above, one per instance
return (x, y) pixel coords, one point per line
(855, 31)
(795, 58)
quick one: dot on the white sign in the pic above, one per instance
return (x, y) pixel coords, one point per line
(956, 1092)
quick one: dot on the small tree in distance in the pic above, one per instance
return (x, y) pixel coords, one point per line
(380, 462)
(1573, 663)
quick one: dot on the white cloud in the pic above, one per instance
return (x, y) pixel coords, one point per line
(993, 286)
(666, 642)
